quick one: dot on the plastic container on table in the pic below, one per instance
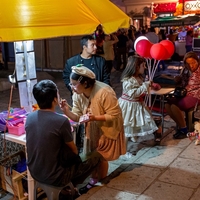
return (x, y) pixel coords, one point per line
(16, 130)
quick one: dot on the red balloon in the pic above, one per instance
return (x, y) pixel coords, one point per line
(169, 46)
(158, 52)
(143, 48)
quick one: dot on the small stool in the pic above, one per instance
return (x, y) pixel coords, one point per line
(190, 120)
(51, 191)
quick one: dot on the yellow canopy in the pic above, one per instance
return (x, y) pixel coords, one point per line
(39, 19)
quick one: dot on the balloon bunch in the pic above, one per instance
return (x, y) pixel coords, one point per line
(156, 52)
(159, 51)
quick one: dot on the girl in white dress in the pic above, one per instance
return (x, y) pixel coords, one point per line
(138, 120)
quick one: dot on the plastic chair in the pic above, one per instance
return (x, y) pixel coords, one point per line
(51, 191)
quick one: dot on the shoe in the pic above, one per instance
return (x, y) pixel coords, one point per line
(128, 155)
(134, 138)
(67, 194)
(157, 136)
(179, 135)
(84, 189)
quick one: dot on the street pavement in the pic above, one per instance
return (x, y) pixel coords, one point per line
(165, 171)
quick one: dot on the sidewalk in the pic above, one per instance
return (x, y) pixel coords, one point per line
(169, 171)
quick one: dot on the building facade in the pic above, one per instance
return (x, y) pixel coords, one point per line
(142, 12)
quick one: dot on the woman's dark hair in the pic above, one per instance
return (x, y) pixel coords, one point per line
(133, 63)
(44, 93)
(84, 40)
(190, 54)
(89, 81)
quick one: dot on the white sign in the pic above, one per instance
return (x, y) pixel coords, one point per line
(192, 5)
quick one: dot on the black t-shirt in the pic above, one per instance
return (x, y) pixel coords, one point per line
(46, 131)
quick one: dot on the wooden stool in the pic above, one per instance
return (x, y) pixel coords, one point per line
(51, 191)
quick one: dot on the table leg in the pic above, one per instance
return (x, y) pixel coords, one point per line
(31, 182)
(31, 185)
(162, 111)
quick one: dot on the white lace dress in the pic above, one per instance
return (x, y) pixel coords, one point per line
(138, 120)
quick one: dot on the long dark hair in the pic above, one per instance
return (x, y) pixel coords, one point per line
(133, 63)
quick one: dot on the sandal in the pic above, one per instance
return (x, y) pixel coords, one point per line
(84, 189)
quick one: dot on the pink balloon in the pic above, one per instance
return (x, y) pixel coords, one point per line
(158, 52)
(169, 46)
(143, 48)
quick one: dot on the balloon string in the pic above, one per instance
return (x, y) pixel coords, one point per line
(156, 66)
(148, 66)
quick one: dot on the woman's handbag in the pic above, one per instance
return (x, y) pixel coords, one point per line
(180, 92)
(196, 112)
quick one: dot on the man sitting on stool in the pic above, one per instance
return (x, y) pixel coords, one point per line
(52, 155)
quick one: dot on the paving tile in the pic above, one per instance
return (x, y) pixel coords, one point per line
(160, 156)
(165, 191)
(191, 152)
(135, 179)
(169, 141)
(183, 172)
(112, 167)
(137, 148)
(106, 193)
(196, 195)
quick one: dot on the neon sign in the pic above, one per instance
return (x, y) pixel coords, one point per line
(192, 5)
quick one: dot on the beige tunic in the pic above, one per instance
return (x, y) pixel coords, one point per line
(105, 136)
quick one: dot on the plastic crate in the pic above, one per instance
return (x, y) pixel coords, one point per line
(16, 116)
(16, 130)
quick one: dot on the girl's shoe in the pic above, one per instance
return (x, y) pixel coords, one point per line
(157, 136)
(134, 138)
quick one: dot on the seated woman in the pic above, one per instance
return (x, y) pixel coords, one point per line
(189, 79)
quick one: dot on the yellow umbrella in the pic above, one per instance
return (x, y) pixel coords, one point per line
(33, 19)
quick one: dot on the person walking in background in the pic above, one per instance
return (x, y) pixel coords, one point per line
(162, 35)
(152, 36)
(188, 41)
(189, 79)
(99, 37)
(104, 130)
(137, 117)
(130, 43)
(49, 142)
(121, 50)
(182, 34)
(90, 60)
(172, 36)
(109, 41)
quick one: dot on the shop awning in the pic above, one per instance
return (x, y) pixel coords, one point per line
(33, 19)
(175, 21)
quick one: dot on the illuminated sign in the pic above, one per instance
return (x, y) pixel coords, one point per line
(192, 5)
(164, 7)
